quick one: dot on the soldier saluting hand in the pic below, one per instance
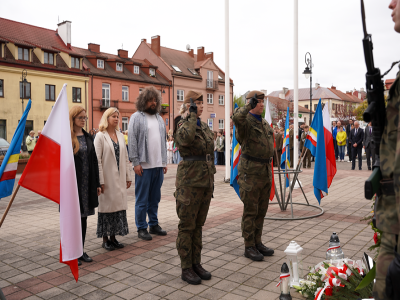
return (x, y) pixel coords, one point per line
(255, 137)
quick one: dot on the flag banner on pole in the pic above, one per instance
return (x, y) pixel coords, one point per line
(269, 120)
(315, 141)
(8, 168)
(285, 152)
(235, 158)
(50, 172)
(329, 146)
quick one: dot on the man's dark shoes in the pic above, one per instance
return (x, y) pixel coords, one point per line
(117, 244)
(369, 169)
(157, 230)
(85, 258)
(144, 235)
(264, 250)
(190, 276)
(203, 274)
(253, 253)
(108, 245)
(79, 263)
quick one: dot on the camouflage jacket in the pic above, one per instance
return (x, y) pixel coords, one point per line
(255, 138)
(193, 140)
(291, 137)
(303, 140)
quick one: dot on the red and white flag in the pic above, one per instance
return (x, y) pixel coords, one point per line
(269, 120)
(329, 146)
(50, 172)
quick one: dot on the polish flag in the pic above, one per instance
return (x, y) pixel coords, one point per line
(50, 172)
(329, 146)
(269, 120)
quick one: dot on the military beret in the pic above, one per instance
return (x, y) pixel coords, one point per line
(195, 95)
(260, 95)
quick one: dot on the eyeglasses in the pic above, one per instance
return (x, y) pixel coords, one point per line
(83, 118)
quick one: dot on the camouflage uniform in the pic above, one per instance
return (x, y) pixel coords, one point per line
(278, 142)
(388, 208)
(194, 187)
(255, 178)
(291, 146)
(307, 157)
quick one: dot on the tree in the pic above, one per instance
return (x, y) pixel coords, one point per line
(345, 112)
(238, 100)
(359, 111)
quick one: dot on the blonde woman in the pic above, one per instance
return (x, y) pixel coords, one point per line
(31, 141)
(115, 178)
(86, 168)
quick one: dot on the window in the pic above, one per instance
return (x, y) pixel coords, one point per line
(50, 92)
(49, 58)
(24, 90)
(221, 100)
(193, 71)
(119, 67)
(180, 95)
(136, 69)
(306, 106)
(221, 124)
(210, 76)
(75, 62)
(152, 72)
(209, 98)
(176, 68)
(23, 54)
(315, 107)
(76, 95)
(210, 124)
(105, 95)
(125, 93)
(219, 77)
(100, 64)
(1, 88)
(140, 90)
(3, 129)
(124, 123)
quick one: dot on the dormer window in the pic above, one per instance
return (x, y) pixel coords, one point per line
(152, 72)
(176, 68)
(100, 64)
(136, 69)
(75, 62)
(193, 71)
(49, 58)
(119, 67)
(23, 54)
(219, 77)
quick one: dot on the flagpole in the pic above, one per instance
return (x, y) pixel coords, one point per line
(296, 81)
(280, 181)
(9, 204)
(227, 94)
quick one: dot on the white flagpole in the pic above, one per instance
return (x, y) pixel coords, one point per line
(227, 97)
(295, 83)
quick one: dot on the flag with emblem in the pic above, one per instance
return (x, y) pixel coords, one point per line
(285, 158)
(235, 157)
(269, 120)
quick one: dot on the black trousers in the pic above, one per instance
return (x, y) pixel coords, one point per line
(356, 151)
(336, 149)
(370, 151)
(349, 150)
(221, 158)
(84, 227)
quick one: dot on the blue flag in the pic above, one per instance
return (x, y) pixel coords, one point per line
(8, 169)
(316, 143)
(235, 158)
(285, 148)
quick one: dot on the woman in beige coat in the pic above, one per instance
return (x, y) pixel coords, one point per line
(115, 178)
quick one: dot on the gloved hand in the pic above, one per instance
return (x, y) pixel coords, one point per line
(253, 101)
(393, 278)
(192, 107)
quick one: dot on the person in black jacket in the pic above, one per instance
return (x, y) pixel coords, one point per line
(86, 168)
(356, 138)
(348, 132)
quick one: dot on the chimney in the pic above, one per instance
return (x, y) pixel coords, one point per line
(123, 53)
(316, 86)
(361, 89)
(200, 53)
(155, 45)
(190, 52)
(144, 40)
(94, 47)
(282, 96)
(348, 92)
(209, 55)
(333, 87)
(64, 31)
(284, 90)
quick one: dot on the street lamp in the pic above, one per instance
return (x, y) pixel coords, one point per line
(308, 74)
(23, 89)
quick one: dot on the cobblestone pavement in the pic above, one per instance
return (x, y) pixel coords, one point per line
(29, 246)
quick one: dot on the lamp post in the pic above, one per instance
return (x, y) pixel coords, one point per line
(23, 89)
(308, 73)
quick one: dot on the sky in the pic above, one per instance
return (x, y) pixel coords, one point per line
(260, 32)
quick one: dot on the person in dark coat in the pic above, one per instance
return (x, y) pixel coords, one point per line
(369, 145)
(356, 138)
(86, 168)
(348, 131)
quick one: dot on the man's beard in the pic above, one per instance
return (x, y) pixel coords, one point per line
(151, 111)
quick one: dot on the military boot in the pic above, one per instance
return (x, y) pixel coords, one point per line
(253, 253)
(264, 250)
(203, 274)
(190, 276)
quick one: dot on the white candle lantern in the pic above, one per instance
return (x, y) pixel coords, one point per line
(293, 254)
(284, 283)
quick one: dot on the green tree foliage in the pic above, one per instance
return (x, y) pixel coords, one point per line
(359, 111)
(238, 100)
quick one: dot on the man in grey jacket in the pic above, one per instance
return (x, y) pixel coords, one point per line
(148, 153)
(369, 145)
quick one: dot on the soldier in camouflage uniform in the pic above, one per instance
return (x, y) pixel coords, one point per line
(307, 157)
(255, 178)
(387, 211)
(194, 185)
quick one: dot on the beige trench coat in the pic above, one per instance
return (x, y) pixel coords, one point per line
(115, 197)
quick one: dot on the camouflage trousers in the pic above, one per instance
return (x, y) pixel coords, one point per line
(307, 159)
(192, 206)
(254, 193)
